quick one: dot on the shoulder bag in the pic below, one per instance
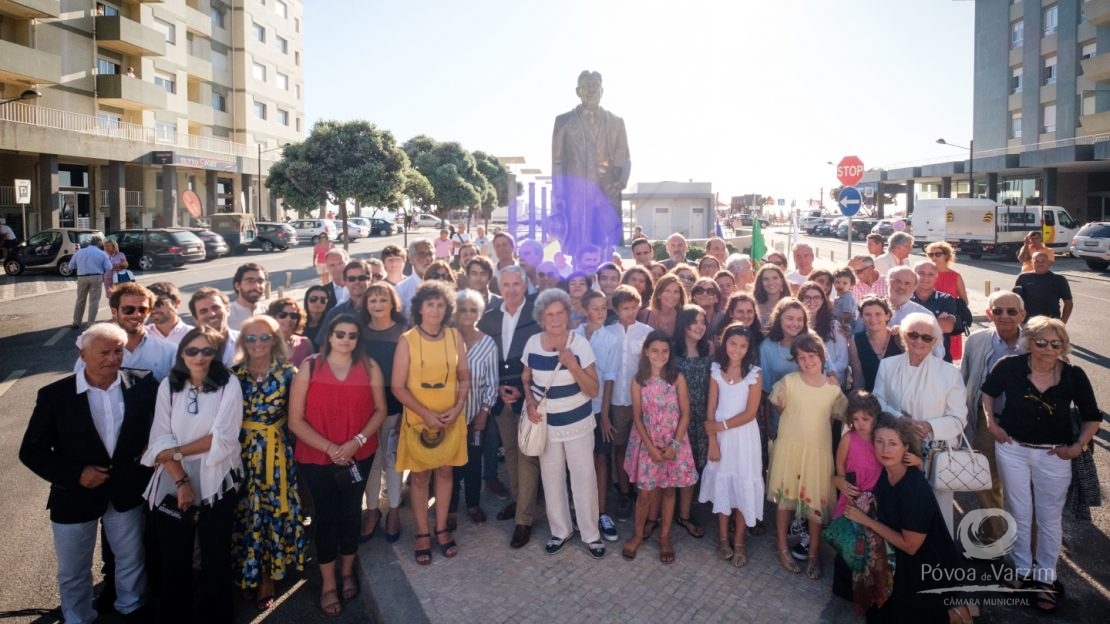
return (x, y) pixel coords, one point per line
(960, 470)
(530, 436)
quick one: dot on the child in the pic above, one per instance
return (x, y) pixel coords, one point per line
(659, 457)
(800, 479)
(733, 477)
(844, 308)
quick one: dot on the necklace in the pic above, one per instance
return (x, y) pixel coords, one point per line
(429, 335)
(725, 375)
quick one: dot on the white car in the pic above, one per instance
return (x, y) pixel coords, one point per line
(427, 220)
(308, 230)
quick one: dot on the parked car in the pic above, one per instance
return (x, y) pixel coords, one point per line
(1091, 244)
(810, 224)
(214, 245)
(357, 228)
(49, 250)
(427, 220)
(309, 230)
(860, 228)
(374, 226)
(829, 228)
(884, 227)
(147, 249)
(273, 236)
(746, 220)
(237, 228)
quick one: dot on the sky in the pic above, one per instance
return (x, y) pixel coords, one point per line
(754, 97)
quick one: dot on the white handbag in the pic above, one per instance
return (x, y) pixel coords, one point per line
(960, 470)
(532, 437)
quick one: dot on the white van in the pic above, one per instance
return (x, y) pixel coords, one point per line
(980, 226)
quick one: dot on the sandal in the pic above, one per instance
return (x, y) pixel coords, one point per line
(450, 548)
(264, 603)
(724, 551)
(1046, 601)
(758, 529)
(666, 552)
(424, 555)
(477, 516)
(649, 528)
(787, 562)
(740, 555)
(628, 552)
(330, 608)
(813, 568)
(350, 588)
(691, 528)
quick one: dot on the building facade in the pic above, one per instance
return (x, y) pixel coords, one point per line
(141, 101)
(663, 208)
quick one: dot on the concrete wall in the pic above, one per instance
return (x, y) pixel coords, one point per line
(991, 118)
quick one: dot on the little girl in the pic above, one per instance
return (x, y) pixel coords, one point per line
(800, 480)
(857, 471)
(659, 456)
(733, 477)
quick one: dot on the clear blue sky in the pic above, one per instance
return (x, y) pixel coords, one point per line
(751, 96)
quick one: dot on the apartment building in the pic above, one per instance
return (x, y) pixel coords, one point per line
(141, 101)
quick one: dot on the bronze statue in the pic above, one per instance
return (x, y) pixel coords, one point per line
(589, 169)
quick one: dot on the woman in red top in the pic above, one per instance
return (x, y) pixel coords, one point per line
(336, 406)
(320, 257)
(949, 281)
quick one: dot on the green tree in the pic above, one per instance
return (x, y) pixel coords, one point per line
(498, 177)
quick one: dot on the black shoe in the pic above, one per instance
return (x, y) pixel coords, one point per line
(522, 534)
(555, 544)
(800, 552)
(597, 549)
(106, 601)
(507, 512)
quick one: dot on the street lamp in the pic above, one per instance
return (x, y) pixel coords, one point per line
(970, 164)
(261, 151)
(29, 94)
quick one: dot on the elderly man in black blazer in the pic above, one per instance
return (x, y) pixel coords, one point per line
(513, 320)
(85, 437)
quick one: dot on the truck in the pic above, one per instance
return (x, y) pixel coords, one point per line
(982, 226)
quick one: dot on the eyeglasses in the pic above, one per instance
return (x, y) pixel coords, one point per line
(377, 277)
(446, 372)
(1007, 311)
(358, 278)
(194, 396)
(468, 310)
(937, 254)
(926, 338)
(689, 279)
(703, 291)
(253, 280)
(546, 274)
(253, 338)
(813, 299)
(128, 310)
(424, 254)
(296, 316)
(195, 351)
(345, 335)
(318, 299)
(445, 277)
(161, 302)
(1055, 344)
(1029, 396)
(861, 271)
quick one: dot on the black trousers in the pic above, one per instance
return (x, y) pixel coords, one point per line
(469, 474)
(338, 507)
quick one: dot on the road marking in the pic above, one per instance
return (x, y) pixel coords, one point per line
(57, 336)
(287, 595)
(10, 381)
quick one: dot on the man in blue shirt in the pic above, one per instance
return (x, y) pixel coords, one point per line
(91, 263)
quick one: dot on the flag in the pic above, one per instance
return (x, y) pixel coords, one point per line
(720, 231)
(759, 248)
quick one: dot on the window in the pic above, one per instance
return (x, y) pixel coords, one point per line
(107, 67)
(298, 92)
(297, 58)
(1088, 50)
(1015, 125)
(283, 81)
(283, 117)
(1017, 33)
(282, 44)
(296, 24)
(219, 15)
(219, 102)
(106, 9)
(258, 32)
(1087, 104)
(165, 131)
(166, 81)
(1050, 19)
(260, 110)
(1015, 80)
(258, 70)
(219, 60)
(281, 8)
(1050, 70)
(298, 124)
(167, 29)
(1048, 114)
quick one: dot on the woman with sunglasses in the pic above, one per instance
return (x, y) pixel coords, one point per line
(194, 442)
(290, 318)
(336, 407)
(819, 312)
(668, 299)
(924, 388)
(316, 301)
(686, 277)
(874, 343)
(269, 535)
(641, 279)
(441, 270)
(431, 379)
(770, 288)
(706, 294)
(949, 281)
(708, 266)
(1035, 443)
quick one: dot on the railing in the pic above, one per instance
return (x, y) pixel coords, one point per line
(132, 199)
(38, 116)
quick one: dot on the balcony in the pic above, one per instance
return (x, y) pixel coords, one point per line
(1097, 68)
(199, 69)
(1097, 12)
(22, 64)
(197, 22)
(129, 93)
(201, 114)
(115, 32)
(28, 9)
(1097, 123)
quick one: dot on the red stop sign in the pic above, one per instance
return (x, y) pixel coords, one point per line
(849, 170)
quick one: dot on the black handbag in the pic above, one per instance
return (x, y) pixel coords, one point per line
(1085, 490)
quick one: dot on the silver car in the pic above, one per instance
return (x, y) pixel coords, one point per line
(1092, 245)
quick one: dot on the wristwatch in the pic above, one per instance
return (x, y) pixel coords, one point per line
(177, 456)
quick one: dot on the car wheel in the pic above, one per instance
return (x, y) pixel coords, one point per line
(975, 256)
(64, 269)
(267, 246)
(1094, 265)
(13, 267)
(383, 232)
(315, 239)
(146, 262)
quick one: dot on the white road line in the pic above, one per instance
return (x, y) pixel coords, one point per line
(10, 381)
(57, 336)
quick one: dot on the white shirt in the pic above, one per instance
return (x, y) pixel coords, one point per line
(154, 355)
(6, 232)
(508, 328)
(794, 277)
(237, 313)
(229, 348)
(106, 407)
(341, 293)
(631, 342)
(406, 289)
(485, 247)
(607, 348)
(888, 261)
(174, 337)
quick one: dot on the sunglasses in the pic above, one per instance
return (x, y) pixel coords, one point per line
(703, 291)
(446, 357)
(861, 271)
(936, 254)
(296, 316)
(318, 299)
(193, 407)
(195, 351)
(424, 254)
(689, 279)
(358, 278)
(251, 338)
(926, 338)
(1007, 311)
(345, 335)
(377, 277)
(161, 303)
(1055, 344)
(445, 277)
(128, 310)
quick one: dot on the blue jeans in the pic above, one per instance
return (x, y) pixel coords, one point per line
(73, 546)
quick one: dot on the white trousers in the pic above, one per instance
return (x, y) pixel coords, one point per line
(578, 455)
(1034, 481)
(73, 546)
(385, 461)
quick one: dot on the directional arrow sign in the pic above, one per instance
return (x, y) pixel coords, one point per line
(849, 201)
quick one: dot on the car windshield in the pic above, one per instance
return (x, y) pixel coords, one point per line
(1095, 230)
(1066, 220)
(184, 237)
(81, 238)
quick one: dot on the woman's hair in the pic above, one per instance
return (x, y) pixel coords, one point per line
(914, 318)
(828, 275)
(669, 373)
(381, 289)
(1038, 326)
(708, 258)
(903, 427)
(823, 318)
(661, 285)
(861, 400)
(472, 296)
(278, 305)
(649, 283)
(724, 273)
(439, 266)
(349, 319)
(872, 300)
(565, 284)
(760, 292)
(750, 358)
(113, 244)
(687, 316)
(279, 349)
(808, 342)
(740, 297)
(548, 297)
(432, 289)
(217, 374)
(776, 334)
(308, 293)
(943, 246)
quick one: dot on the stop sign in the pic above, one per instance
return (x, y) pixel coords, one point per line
(849, 170)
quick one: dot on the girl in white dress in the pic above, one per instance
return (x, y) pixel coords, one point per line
(733, 476)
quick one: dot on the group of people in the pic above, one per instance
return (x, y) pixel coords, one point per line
(727, 380)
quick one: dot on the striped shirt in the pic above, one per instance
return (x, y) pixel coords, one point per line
(483, 362)
(566, 404)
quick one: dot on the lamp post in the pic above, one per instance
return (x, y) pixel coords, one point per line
(970, 164)
(261, 151)
(29, 94)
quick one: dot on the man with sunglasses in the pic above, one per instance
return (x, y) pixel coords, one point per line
(357, 276)
(250, 286)
(130, 305)
(422, 255)
(1042, 290)
(868, 281)
(982, 350)
(209, 309)
(165, 324)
